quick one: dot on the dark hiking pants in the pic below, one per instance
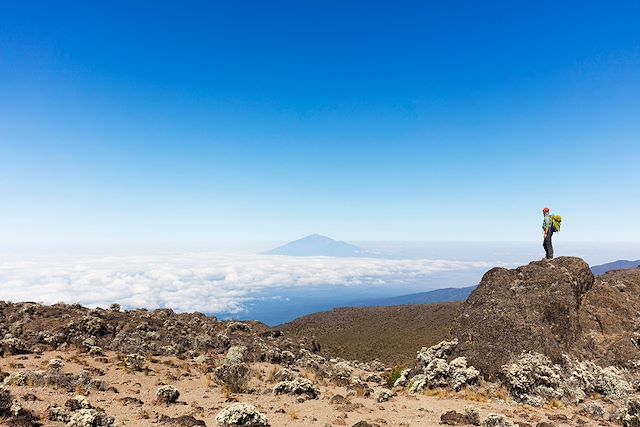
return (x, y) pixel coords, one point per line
(547, 245)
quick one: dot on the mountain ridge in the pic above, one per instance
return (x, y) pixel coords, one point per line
(621, 264)
(435, 296)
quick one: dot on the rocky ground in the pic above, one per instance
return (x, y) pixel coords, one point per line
(543, 345)
(174, 392)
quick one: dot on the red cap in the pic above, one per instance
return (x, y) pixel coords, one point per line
(545, 210)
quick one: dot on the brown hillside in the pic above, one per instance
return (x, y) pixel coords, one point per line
(391, 334)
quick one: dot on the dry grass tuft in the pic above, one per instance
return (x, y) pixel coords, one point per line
(480, 395)
(272, 373)
(439, 393)
(293, 415)
(554, 404)
(502, 394)
(207, 380)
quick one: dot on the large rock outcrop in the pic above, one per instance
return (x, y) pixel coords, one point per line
(610, 320)
(535, 307)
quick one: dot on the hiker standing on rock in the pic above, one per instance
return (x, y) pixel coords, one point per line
(547, 226)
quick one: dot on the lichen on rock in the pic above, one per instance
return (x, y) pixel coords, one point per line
(299, 387)
(167, 394)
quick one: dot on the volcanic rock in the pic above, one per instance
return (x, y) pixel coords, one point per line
(535, 307)
(610, 319)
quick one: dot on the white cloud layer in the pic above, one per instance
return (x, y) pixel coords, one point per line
(206, 282)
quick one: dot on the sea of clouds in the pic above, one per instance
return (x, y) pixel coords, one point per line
(205, 282)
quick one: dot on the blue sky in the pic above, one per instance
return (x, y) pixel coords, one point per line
(201, 122)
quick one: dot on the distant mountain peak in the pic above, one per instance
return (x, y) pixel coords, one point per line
(320, 237)
(319, 245)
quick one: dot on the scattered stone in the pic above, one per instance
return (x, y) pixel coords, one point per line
(285, 375)
(55, 365)
(167, 395)
(131, 401)
(471, 416)
(56, 413)
(383, 395)
(374, 378)
(299, 387)
(29, 397)
(134, 362)
(453, 418)
(95, 350)
(78, 402)
(238, 327)
(181, 421)
(365, 424)
(338, 399)
(558, 417)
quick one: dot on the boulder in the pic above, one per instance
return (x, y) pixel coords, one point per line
(285, 375)
(167, 394)
(471, 416)
(134, 362)
(610, 320)
(535, 307)
(181, 421)
(298, 387)
(383, 395)
(55, 365)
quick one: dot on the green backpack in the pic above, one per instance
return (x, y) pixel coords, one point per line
(556, 221)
